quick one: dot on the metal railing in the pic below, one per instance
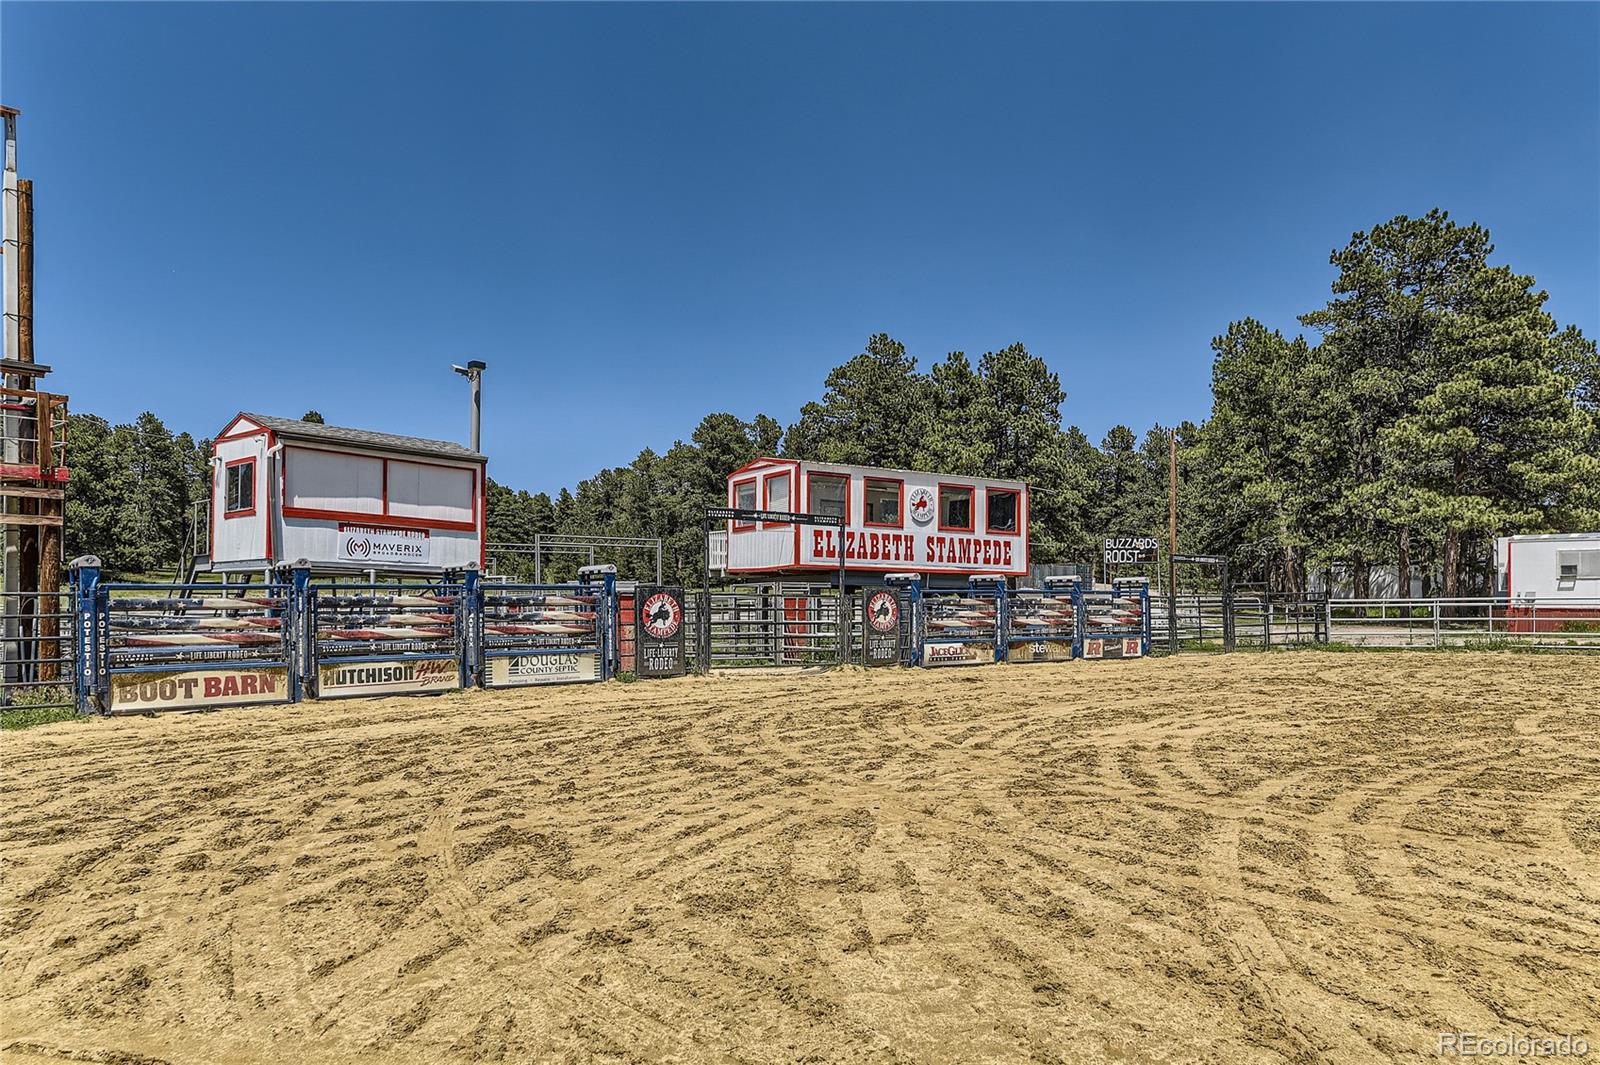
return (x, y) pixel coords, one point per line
(38, 662)
(1212, 622)
(33, 433)
(1489, 622)
(769, 625)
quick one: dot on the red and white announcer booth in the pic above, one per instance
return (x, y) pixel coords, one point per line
(346, 500)
(943, 526)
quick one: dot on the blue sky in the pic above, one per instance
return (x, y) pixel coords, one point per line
(637, 215)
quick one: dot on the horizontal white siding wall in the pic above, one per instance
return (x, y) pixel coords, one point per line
(243, 538)
(761, 549)
(318, 540)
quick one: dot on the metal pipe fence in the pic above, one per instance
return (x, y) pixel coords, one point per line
(38, 662)
(1487, 622)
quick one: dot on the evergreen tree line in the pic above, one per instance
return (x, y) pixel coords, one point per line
(1435, 405)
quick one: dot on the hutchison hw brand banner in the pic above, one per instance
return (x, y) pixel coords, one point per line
(381, 678)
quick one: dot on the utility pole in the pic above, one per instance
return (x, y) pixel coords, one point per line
(1172, 542)
(473, 371)
(11, 433)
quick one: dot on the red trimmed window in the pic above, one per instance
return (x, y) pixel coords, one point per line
(955, 507)
(828, 493)
(744, 498)
(776, 490)
(1004, 511)
(239, 488)
(884, 497)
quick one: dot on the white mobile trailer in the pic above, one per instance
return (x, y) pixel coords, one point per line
(1548, 567)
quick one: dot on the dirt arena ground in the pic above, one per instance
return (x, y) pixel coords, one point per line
(1255, 858)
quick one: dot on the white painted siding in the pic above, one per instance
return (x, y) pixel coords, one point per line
(1533, 564)
(318, 540)
(761, 549)
(242, 538)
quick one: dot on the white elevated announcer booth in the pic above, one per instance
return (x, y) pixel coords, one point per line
(343, 499)
(895, 521)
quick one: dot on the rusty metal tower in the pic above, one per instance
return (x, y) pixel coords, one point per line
(33, 471)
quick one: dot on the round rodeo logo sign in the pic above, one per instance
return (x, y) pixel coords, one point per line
(359, 547)
(883, 611)
(662, 614)
(921, 503)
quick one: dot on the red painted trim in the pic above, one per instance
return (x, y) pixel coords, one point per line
(766, 497)
(237, 418)
(972, 507)
(733, 501)
(483, 519)
(899, 521)
(240, 436)
(761, 463)
(990, 493)
(378, 519)
(243, 512)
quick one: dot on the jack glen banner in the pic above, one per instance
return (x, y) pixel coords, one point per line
(658, 649)
(880, 631)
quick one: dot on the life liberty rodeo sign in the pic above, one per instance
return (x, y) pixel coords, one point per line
(881, 633)
(658, 633)
(180, 689)
(380, 545)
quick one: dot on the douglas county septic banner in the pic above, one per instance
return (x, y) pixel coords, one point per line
(658, 632)
(375, 545)
(543, 667)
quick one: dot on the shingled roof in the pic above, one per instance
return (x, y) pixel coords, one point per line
(295, 429)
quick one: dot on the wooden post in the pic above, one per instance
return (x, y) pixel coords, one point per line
(1172, 542)
(24, 306)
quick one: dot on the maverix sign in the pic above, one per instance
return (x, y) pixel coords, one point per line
(378, 545)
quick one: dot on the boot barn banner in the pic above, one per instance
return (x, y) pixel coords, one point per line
(658, 633)
(136, 693)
